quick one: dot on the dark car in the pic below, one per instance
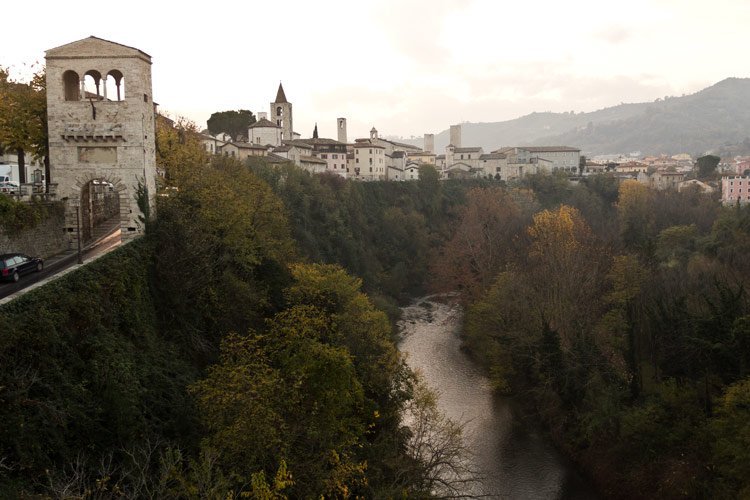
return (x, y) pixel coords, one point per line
(13, 265)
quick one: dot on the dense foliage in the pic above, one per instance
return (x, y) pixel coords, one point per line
(16, 216)
(209, 360)
(241, 349)
(620, 315)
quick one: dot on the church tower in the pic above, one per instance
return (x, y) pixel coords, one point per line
(281, 114)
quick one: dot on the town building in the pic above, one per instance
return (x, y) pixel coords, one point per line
(735, 189)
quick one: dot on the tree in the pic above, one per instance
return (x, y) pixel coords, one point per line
(23, 119)
(636, 216)
(234, 123)
(731, 446)
(178, 148)
(707, 166)
(566, 270)
(484, 241)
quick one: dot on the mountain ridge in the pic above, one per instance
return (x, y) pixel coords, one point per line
(715, 119)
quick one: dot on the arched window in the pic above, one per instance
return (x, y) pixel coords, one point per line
(278, 111)
(92, 84)
(72, 83)
(115, 86)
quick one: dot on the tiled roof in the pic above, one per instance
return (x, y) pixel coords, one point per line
(312, 159)
(323, 140)
(493, 156)
(467, 150)
(367, 145)
(550, 149)
(263, 122)
(298, 143)
(276, 158)
(248, 145)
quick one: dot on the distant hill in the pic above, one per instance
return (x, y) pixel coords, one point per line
(716, 119)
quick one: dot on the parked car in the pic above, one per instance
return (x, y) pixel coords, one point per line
(9, 187)
(13, 265)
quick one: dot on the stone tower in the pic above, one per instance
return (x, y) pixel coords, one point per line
(101, 131)
(281, 114)
(429, 143)
(456, 135)
(373, 134)
(341, 127)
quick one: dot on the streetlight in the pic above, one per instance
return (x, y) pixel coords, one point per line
(75, 202)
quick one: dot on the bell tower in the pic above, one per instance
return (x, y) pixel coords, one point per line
(281, 114)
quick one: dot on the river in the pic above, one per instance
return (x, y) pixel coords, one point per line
(514, 461)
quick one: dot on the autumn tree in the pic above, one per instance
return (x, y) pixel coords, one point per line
(23, 119)
(234, 123)
(636, 216)
(485, 240)
(179, 151)
(566, 267)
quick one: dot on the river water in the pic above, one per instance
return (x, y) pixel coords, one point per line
(513, 461)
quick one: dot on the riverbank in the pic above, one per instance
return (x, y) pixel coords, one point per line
(514, 459)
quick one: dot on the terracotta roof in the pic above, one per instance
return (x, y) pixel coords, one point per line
(282, 149)
(467, 150)
(263, 122)
(280, 96)
(367, 145)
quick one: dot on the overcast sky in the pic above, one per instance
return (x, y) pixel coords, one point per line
(404, 66)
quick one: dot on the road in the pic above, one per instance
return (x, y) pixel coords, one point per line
(60, 263)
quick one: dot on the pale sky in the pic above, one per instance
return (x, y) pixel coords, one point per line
(407, 67)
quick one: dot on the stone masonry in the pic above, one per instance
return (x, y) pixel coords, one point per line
(103, 133)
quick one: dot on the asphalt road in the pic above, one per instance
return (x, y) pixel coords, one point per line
(59, 263)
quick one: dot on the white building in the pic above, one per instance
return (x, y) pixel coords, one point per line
(369, 161)
(264, 133)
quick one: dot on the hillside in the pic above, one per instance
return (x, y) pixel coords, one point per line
(715, 119)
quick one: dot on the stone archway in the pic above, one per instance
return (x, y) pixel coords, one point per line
(102, 201)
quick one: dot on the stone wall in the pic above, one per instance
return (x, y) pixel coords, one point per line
(44, 240)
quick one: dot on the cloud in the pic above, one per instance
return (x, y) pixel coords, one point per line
(614, 34)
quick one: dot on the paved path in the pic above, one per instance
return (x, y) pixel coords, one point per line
(104, 239)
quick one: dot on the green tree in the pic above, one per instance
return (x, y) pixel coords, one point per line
(707, 166)
(234, 123)
(23, 119)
